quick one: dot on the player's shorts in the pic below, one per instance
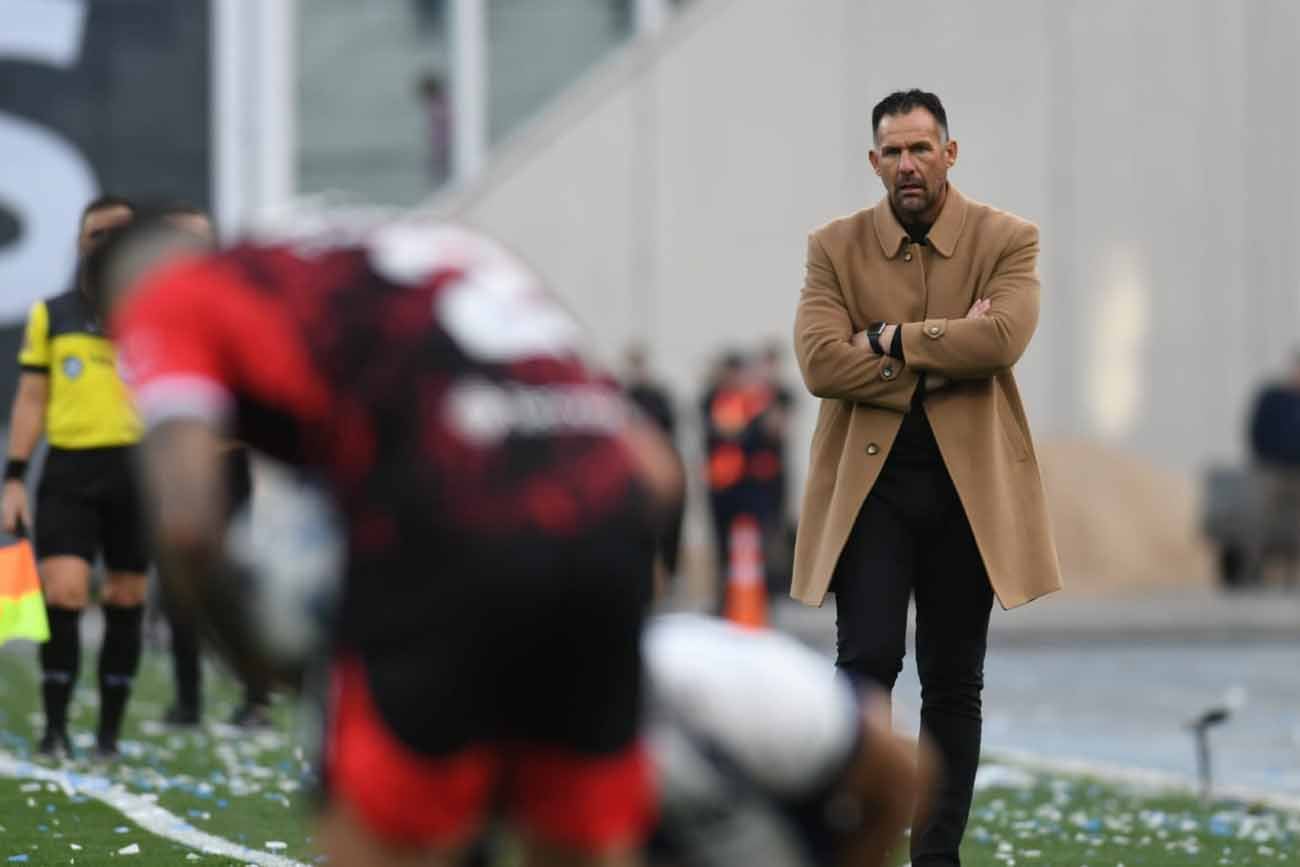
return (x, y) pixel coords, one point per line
(520, 693)
(586, 802)
(89, 503)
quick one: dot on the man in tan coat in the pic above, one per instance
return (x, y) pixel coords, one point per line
(923, 479)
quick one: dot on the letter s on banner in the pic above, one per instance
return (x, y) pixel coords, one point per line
(56, 181)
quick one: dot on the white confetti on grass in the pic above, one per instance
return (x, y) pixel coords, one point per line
(133, 849)
(1140, 778)
(144, 813)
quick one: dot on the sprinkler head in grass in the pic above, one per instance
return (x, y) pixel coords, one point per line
(1200, 727)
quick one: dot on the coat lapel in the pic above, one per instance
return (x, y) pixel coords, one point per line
(946, 230)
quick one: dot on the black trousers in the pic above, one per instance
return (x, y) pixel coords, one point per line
(912, 538)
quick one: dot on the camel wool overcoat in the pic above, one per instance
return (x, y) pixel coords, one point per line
(863, 268)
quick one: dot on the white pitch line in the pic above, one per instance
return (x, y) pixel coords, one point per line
(143, 812)
(1143, 777)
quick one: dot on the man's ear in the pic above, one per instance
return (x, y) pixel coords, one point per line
(875, 160)
(950, 152)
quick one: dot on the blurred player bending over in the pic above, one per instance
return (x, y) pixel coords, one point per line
(498, 498)
(766, 758)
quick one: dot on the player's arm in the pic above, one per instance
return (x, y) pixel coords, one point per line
(981, 346)
(183, 474)
(26, 419)
(184, 471)
(656, 462)
(888, 783)
(174, 337)
(184, 481)
(832, 366)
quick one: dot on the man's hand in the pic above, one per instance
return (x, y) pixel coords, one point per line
(14, 507)
(861, 340)
(978, 310)
(887, 337)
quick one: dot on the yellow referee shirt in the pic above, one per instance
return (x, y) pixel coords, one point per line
(89, 406)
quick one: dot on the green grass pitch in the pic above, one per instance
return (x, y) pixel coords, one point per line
(255, 789)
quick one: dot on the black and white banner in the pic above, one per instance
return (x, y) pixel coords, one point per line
(96, 96)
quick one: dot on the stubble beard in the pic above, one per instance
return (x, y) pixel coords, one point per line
(912, 210)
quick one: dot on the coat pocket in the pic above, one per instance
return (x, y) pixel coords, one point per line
(1011, 430)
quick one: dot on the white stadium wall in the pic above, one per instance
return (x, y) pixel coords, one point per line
(668, 196)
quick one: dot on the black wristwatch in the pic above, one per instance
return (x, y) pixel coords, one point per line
(874, 330)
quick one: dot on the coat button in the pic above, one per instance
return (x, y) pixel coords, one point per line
(887, 373)
(907, 257)
(934, 330)
(873, 449)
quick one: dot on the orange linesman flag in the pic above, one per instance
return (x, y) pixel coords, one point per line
(22, 607)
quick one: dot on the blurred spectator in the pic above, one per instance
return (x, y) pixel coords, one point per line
(649, 395)
(437, 108)
(770, 470)
(744, 427)
(1275, 448)
(654, 400)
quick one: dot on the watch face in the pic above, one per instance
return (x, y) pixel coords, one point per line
(876, 328)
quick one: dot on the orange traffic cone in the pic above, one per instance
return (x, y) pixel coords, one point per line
(746, 590)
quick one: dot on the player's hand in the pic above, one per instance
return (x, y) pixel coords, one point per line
(14, 507)
(979, 309)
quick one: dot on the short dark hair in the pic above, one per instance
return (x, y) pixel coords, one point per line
(103, 203)
(177, 208)
(903, 101)
(147, 228)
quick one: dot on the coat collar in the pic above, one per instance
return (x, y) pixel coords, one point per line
(943, 234)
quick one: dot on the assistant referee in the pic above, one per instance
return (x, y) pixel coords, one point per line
(88, 502)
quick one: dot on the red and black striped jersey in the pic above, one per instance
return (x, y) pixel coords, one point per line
(424, 370)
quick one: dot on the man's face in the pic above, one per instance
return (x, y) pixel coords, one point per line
(912, 160)
(99, 223)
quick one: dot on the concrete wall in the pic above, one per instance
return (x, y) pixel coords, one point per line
(668, 195)
(537, 49)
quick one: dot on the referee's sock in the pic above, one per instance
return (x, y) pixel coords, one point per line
(118, 660)
(60, 665)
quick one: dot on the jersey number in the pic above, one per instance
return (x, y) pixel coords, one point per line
(497, 311)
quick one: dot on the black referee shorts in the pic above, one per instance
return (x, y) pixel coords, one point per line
(89, 503)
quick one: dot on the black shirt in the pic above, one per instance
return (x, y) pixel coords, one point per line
(915, 443)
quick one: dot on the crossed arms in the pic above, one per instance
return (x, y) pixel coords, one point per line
(838, 362)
